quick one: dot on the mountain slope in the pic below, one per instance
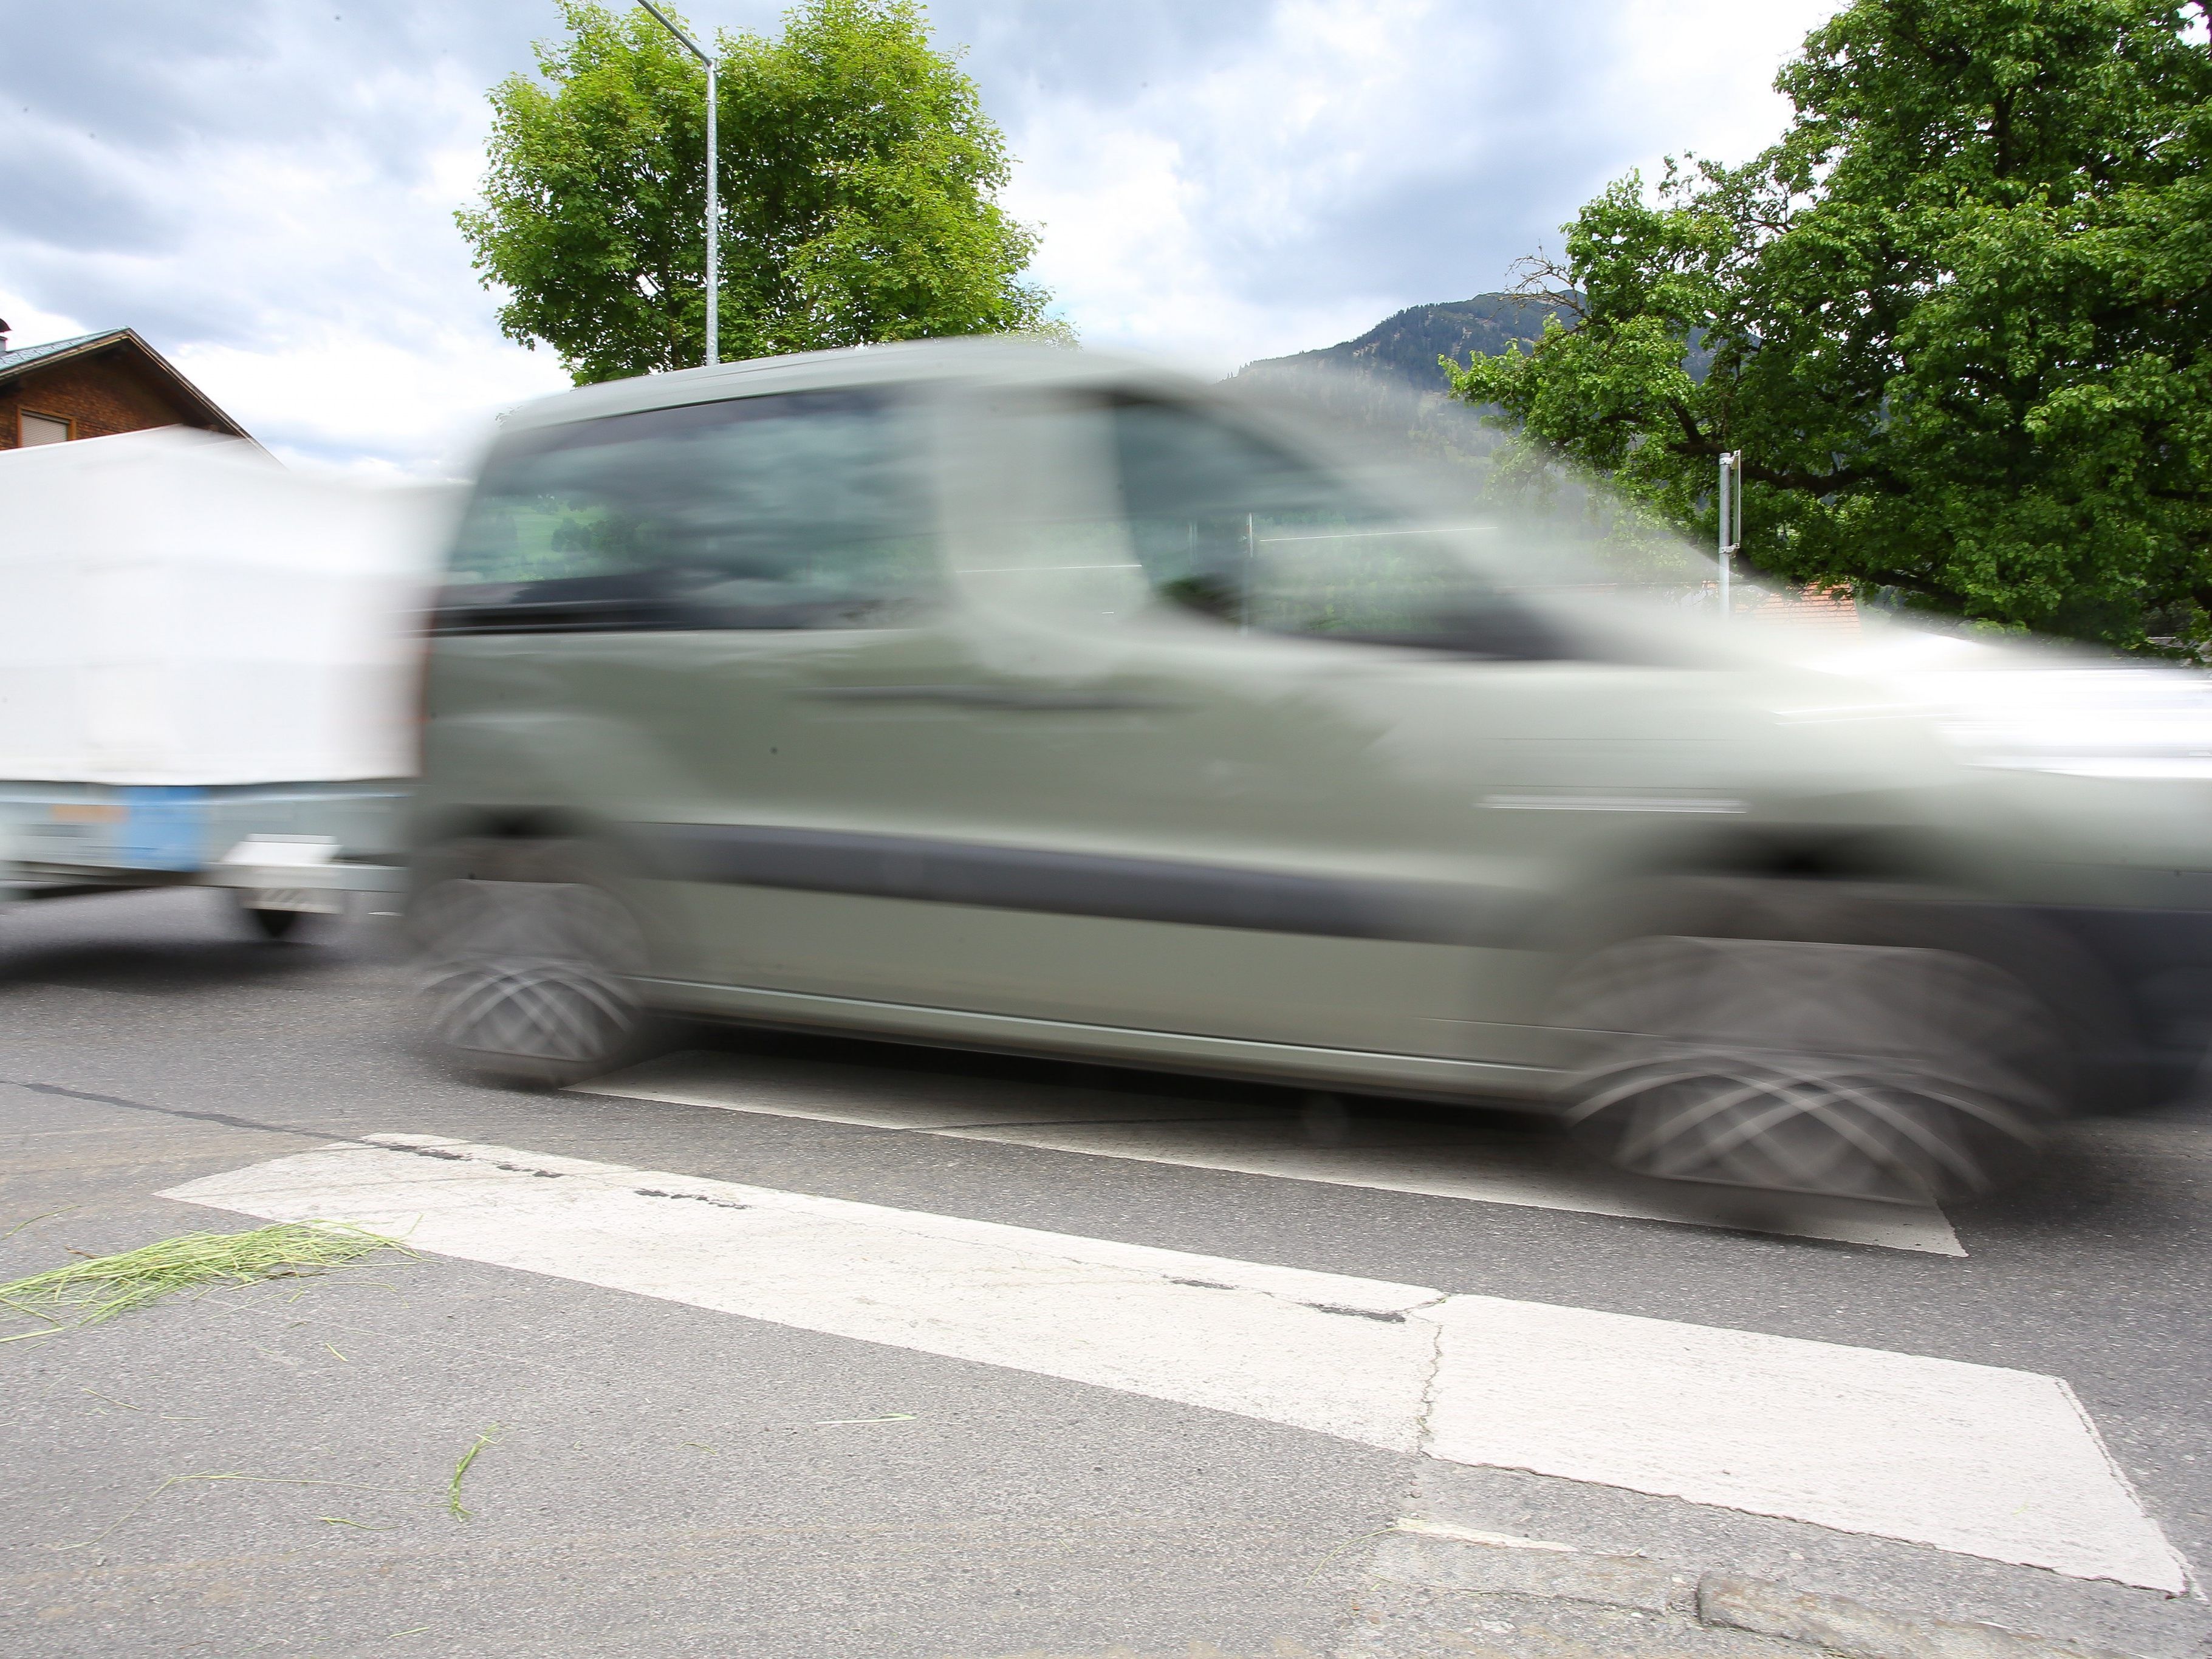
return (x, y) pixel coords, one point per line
(1387, 382)
(1405, 348)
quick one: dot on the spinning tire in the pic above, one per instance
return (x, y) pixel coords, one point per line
(527, 960)
(271, 924)
(1900, 1073)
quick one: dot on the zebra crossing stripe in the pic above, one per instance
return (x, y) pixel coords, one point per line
(1983, 1461)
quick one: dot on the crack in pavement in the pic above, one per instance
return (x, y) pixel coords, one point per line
(227, 1120)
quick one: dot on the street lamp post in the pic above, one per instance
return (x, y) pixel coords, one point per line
(1731, 519)
(713, 249)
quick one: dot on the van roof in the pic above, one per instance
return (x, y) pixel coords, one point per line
(1000, 359)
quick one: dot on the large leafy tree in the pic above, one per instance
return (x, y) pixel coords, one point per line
(1956, 320)
(859, 184)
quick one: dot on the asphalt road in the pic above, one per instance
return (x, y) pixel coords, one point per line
(272, 1468)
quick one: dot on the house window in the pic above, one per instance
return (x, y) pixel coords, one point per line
(42, 429)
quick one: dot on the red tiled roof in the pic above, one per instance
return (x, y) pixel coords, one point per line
(1828, 613)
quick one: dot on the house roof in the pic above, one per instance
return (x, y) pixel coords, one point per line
(23, 359)
(1825, 612)
(11, 360)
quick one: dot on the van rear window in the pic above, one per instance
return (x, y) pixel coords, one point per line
(801, 510)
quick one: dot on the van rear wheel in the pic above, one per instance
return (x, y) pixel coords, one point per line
(271, 924)
(1901, 1073)
(527, 963)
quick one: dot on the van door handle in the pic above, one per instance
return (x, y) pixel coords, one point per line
(990, 696)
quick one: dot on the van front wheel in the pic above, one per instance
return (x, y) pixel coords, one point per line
(1910, 1075)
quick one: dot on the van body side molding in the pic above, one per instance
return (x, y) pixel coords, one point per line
(993, 877)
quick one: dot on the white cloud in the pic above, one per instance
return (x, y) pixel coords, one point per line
(307, 275)
(270, 199)
(1700, 73)
(1152, 211)
(1357, 158)
(419, 405)
(30, 324)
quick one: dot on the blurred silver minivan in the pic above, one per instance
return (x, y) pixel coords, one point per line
(996, 695)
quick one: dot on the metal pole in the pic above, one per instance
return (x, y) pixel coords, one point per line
(1251, 571)
(714, 232)
(714, 216)
(1731, 517)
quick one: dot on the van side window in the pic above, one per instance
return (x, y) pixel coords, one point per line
(1229, 523)
(802, 510)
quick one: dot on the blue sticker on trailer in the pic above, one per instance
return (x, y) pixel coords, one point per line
(164, 827)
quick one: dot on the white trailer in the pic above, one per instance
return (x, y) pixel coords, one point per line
(208, 672)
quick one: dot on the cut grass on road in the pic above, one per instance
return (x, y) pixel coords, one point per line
(89, 1292)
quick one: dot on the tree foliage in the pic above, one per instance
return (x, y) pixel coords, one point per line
(1955, 319)
(858, 182)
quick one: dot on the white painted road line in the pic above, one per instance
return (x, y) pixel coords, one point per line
(1973, 1458)
(1488, 1168)
(1970, 1458)
(1235, 1336)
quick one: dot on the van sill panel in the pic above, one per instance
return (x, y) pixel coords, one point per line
(1426, 1074)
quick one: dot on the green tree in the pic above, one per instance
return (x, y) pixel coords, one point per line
(858, 178)
(1955, 319)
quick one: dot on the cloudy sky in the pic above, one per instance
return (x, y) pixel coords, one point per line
(264, 189)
